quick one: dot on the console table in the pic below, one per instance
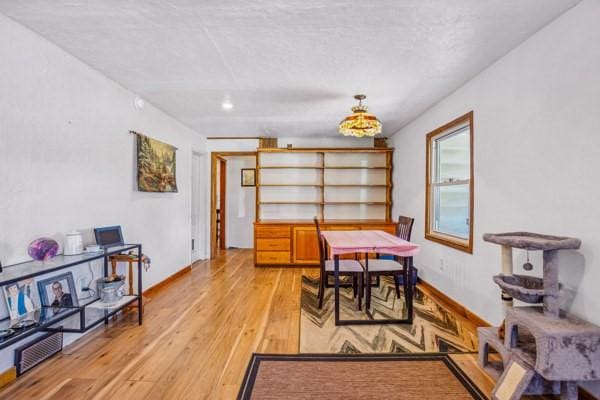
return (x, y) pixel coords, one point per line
(82, 318)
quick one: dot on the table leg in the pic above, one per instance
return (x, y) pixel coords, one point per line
(336, 279)
(409, 289)
(360, 291)
(140, 294)
(113, 264)
(368, 295)
(130, 277)
(105, 275)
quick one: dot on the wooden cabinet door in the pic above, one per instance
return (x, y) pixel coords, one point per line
(305, 245)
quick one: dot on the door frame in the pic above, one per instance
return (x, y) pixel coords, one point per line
(222, 202)
(214, 163)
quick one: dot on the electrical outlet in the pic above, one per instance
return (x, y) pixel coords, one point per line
(441, 265)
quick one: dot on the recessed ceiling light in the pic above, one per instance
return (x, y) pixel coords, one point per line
(227, 105)
(138, 102)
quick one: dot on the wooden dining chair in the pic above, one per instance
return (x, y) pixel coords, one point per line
(351, 268)
(392, 267)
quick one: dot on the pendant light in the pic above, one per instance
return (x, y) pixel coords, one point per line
(360, 123)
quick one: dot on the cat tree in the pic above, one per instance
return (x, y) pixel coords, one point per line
(554, 349)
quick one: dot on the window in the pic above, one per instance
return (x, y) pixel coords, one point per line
(449, 191)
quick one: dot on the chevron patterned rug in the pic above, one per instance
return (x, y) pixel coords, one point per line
(434, 329)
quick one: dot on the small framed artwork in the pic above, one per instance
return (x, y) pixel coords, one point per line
(248, 176)
(58, 292)
(20, 299)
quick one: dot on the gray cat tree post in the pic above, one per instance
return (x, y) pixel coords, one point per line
(554, 350)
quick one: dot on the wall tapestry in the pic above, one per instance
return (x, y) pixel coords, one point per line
(156, 164)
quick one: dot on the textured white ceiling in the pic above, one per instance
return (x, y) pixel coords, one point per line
(289, 67)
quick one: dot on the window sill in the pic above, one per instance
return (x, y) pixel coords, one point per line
(450, 241)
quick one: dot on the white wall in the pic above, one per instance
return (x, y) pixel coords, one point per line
(241, 204)
(537, 158)
(67, 160)
(199, 177)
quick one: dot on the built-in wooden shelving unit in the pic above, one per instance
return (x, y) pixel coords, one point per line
(292, 167)
(289, 184)
(336, 184)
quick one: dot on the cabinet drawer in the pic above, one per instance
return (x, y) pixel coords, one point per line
(272, 257)
(273, 244)
(263, 231)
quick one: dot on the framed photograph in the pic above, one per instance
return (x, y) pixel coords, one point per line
(58, 292)
(20, 299)
(248, 176)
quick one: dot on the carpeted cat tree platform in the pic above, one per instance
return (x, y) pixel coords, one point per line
(544, 350)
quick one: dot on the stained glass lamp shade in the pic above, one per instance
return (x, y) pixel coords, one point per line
(360, 123)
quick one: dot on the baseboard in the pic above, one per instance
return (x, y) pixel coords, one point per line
(456, 306)
(8, 376)
(148, 292)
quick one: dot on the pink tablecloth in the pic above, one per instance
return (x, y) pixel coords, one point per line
(341, 242)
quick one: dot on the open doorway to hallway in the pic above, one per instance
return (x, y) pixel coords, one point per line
(233, 202)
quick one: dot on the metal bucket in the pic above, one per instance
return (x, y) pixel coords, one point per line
(110, 292)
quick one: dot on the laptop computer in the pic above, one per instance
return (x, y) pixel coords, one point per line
(109, 236)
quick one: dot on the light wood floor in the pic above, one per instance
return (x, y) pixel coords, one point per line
(197, 338)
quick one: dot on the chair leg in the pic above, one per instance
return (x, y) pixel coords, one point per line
(405, 279)
(360, 290)
(397, 284)
(321, 293)
(354, 285)
(368, 290)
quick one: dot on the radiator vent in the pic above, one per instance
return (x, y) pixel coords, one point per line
(33, 353)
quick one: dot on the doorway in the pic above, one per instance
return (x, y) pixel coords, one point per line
(233, 206)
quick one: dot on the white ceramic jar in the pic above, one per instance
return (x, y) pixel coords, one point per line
(73, 244)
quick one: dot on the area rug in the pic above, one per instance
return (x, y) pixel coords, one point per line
(389, 376)
(434, 328)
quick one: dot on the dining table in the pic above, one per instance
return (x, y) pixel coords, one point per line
(370, 241)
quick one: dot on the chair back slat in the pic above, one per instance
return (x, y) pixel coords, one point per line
(404, 227)
(321, 242)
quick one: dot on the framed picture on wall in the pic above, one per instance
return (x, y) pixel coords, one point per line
(248, 176)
